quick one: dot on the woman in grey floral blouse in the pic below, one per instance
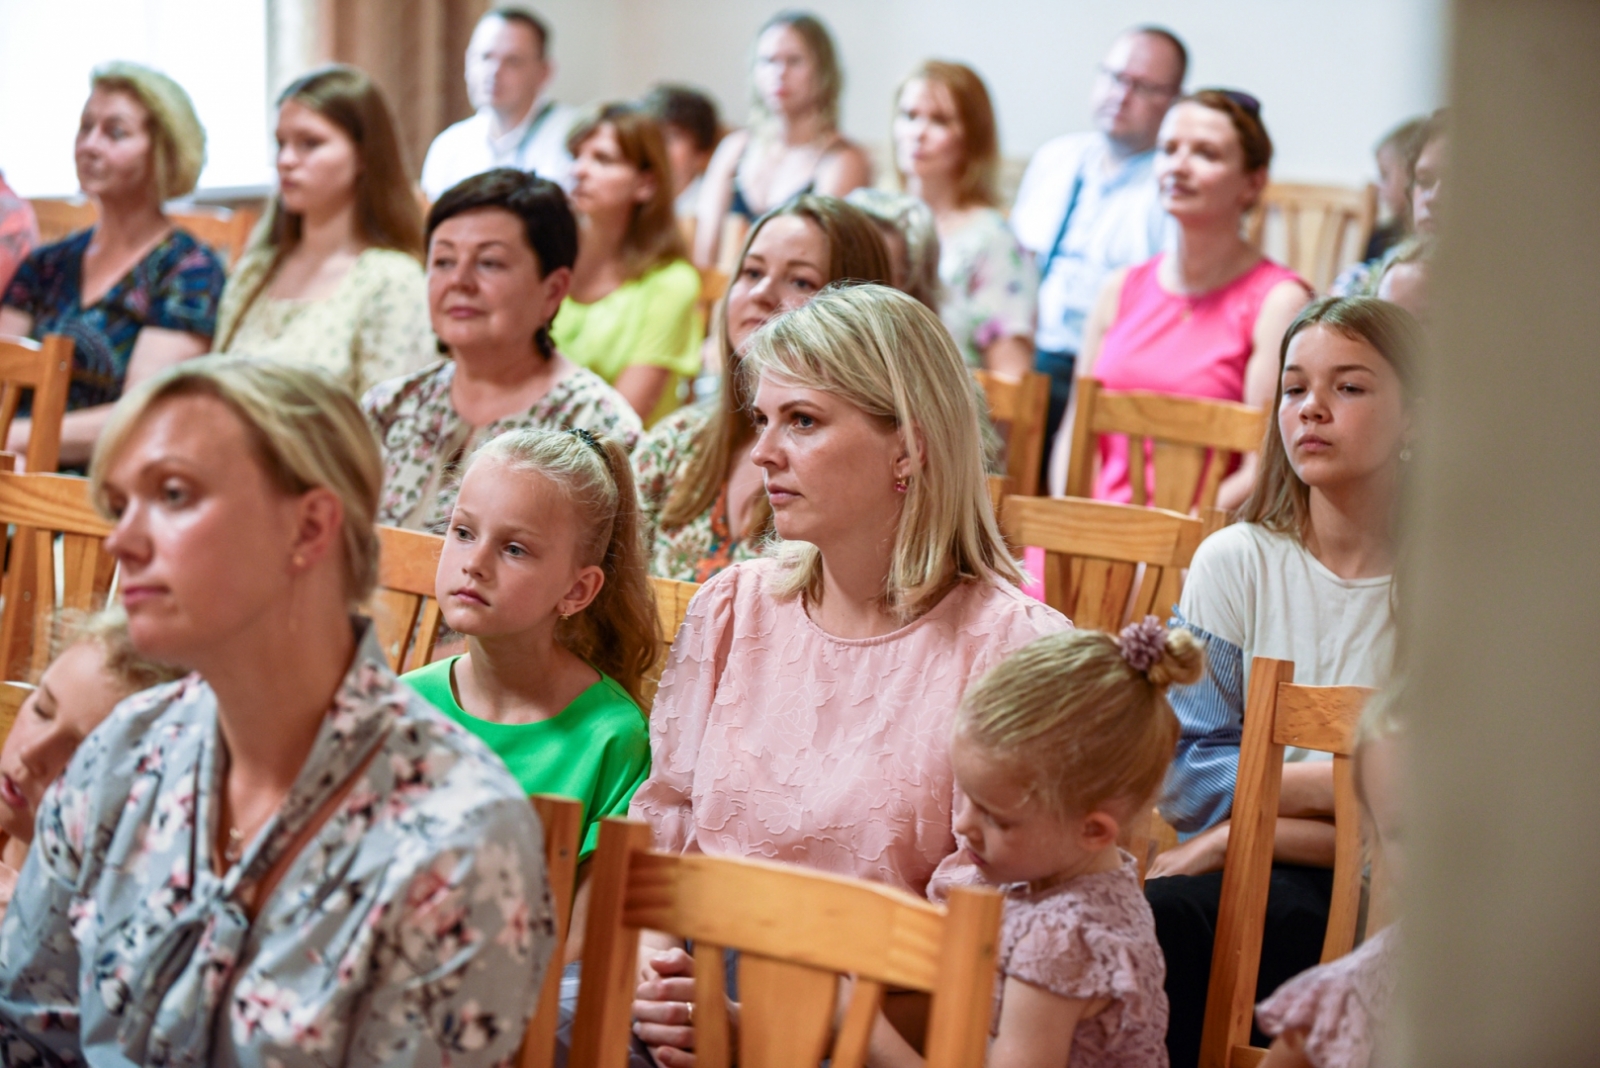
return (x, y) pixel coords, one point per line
(285, 858)
(501, 246)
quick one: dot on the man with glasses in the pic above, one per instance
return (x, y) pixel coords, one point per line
(1088, 203)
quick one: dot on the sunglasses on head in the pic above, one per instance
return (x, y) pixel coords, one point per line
(1244, 100)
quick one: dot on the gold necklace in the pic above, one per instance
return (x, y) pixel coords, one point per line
(235, 847)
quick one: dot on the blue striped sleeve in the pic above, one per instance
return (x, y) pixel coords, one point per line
(1199, 788)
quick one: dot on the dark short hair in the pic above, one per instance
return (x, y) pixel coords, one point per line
(1172, 39)
(523, 17)
(688, 109)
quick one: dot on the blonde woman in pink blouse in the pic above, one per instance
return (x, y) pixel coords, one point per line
(805, 713)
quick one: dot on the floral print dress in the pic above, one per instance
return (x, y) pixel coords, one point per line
(411, 929)
(990, 287)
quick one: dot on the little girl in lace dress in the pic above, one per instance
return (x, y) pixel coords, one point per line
(1055, 751)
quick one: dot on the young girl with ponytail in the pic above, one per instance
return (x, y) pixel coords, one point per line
(543, 572)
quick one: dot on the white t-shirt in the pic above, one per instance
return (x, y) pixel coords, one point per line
(538, 143)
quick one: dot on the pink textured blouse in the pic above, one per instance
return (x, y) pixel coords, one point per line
(1188, 345)
(1092, 937)
(1341, 1006)
(774, 740)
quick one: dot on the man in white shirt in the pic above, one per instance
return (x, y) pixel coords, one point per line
(1088, 203)
(517, 124)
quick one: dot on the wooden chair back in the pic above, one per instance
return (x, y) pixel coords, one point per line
(562, 818)
(226, 230)
(41, 507)
(1278, 713)
(1021, 406)
(12, 697)
(59, 217)
(403, 608)
(797, 931)
(735, 228)
(713, 286)
(1314, 230)
(1191, 441)
(1106, 565)
(672, 604)
(44, 368)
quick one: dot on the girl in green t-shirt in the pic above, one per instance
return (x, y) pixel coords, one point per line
(543, 571)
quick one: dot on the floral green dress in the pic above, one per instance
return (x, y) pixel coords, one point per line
(412, 929)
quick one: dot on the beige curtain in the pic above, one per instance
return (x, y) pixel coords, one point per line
(414, 50)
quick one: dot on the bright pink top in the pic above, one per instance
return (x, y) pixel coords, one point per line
(774, 740)
(1190, 346)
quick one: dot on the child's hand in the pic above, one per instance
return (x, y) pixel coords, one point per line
(1203, 853)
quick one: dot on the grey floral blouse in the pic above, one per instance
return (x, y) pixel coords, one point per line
(423, 438)
(411, 930)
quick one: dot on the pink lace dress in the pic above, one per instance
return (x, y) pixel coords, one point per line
(1091, 938)
(772, 739)
(1341, 1006)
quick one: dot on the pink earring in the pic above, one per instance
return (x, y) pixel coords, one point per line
(902, 484)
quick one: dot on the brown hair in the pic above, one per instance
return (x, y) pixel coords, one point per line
(1244, 112)
(108, 629)
(819, 42)
(1279, 501)
(856, 251)
(653, 238)
(1081, 723)
(980, 141)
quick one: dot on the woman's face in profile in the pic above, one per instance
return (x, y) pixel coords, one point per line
(785, 266)
(113, 149)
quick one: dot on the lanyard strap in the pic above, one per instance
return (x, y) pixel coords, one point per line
(529, 134)
(1066, 220)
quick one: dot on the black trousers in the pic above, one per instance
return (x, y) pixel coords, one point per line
(1185, 907)
(1058, 365)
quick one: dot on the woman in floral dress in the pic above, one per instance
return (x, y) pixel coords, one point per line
(286, 858)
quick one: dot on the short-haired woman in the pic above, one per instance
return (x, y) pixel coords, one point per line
(501, 246)
(1204, 318)
(632, 313)
(793, 144)
(947, 152)
(701, 497)
(332, 278)
(135, 294)
(287, 856)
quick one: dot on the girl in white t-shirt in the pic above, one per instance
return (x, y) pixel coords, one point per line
(1305, 577)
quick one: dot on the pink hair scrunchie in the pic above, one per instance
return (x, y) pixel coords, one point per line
(1142, 643)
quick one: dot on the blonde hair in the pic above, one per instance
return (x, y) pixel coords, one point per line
(307, 431)
(890, 356)
(980, 140)
(178, 139)
(618, 633)
(913, 221)
(1077, 719)
(830, 79)
(107, 629)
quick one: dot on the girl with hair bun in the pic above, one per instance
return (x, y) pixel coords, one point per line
(1055, 751)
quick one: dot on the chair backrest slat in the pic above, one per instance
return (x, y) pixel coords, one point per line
(404, 609)
(787, 1014)
(712, 1044)
(562, 819)
(1021, 407)
(1322, 228)
(45, 368)
(672, 604)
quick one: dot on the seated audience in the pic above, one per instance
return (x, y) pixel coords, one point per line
(1403, 279)
(19, 232)
(947, 152)
(96, 666)
(805, 712)
(500, 251)
(543, 573)
(1055, 751)
(793, 144)
(1306, 576)
(1333, 1016)
(908, 231)
(690, 128)
(702, 499)
(331, 278)
(517, 124)
(1088, 203)
(1424, 176)
(1206, 318)
(135, 294)
(1394, 156)
(289, 847)
(632, 314)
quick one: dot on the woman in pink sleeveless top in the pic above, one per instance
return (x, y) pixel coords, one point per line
(1206, 317)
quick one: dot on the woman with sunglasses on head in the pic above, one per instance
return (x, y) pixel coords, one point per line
(1203, 318)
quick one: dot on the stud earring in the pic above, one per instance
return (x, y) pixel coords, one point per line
(902, 484)
(1405, 454)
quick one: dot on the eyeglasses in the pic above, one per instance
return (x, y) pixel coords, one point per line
(1244, 100)
(1138, 86)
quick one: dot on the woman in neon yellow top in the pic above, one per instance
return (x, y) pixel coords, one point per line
(631, 317)
(543, 571)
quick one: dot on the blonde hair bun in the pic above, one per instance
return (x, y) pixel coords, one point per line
(1182, 662)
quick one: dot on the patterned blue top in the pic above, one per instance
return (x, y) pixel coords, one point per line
(412, 929)
(175, 287)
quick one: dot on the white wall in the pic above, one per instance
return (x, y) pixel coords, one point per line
(1333, 74)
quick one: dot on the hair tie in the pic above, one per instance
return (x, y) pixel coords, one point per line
(589, 440)
(1142, 643)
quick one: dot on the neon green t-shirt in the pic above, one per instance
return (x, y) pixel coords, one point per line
(651, 321)
(596, 751)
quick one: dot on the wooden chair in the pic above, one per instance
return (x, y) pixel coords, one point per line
(562, 818)
(797, 931)
(713, 286)
(1021, 406)
(226, 231)
(1324, 228)
(672, 604)
(39, 507)
(45, 368)
(1277, 713)
(1192, 442)
(12, 696)
(60, 217)
(1106, 565)
(404, 608)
